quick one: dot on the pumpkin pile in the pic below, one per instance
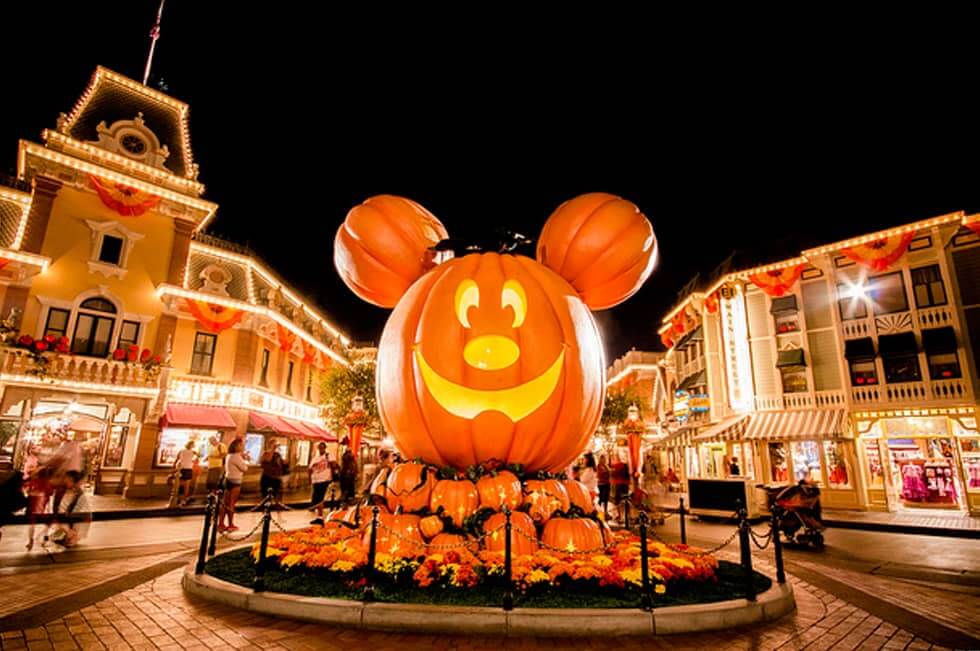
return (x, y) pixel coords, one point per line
(424, 509)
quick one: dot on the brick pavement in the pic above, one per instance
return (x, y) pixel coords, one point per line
(158, 615)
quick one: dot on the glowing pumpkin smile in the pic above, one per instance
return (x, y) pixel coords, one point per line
(514, 402)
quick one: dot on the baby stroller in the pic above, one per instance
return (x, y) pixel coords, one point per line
(797, 509)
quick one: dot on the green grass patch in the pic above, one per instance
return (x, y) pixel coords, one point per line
(237, 567)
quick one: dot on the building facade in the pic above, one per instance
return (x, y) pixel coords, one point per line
(129, 328)
(852, 364)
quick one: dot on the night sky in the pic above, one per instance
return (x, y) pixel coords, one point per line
(298, 114)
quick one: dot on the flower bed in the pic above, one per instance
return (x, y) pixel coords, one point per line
(328, 562)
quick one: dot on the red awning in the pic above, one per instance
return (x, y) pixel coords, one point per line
(197, 416)
(312, 430)
(269, 423)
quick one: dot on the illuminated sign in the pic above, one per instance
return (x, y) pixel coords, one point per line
(230, 395)
(738, 364)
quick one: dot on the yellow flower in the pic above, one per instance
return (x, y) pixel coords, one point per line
(342, 566)
(435, 557)
(660, 589)
(679, 562)
(537, 576)
(291, 559)
(602, 561)
(634, 576)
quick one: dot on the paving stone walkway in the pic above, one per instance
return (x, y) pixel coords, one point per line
(158, 615)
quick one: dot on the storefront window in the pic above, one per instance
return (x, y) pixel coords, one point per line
(8, 441)
(713, 460)
(748, 463)
(253, 447)
(876, 472)
(944, 366)
(902, 368)
(924, 471)
(837, 471)
(116, 446)
(692, 462)
(173, 440)
(778, 463)
(863, 373)
(806, 461)
(302, 453)
(970, 451)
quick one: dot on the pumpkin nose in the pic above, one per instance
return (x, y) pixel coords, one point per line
(491, 352)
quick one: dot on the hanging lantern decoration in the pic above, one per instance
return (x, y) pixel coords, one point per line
(879, 255)
(286, 337)
(634, 428)
(124, 200)
(777, 282)
(212, 317)
(355, 421)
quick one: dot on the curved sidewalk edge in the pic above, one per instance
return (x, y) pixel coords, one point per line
(458, 620)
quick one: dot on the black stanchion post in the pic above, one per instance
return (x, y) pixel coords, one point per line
(680, 514)
(645, 601)
(372, 554)
(626, 513)
(509, 587)
(745, 547)
(203, 551)
(258, 584)
(777, 545)
(219, 505)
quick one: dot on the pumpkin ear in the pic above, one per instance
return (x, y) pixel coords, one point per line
(383, 247)
(602, 245)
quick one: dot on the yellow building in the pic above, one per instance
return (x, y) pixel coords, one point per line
(154, 332)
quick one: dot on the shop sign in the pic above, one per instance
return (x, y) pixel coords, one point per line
(698, 403)
(681, 405)
(738, 365)
(232, 396)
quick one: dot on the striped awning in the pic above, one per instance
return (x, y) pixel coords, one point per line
(730, 429)
(797, 424)
(677, 439)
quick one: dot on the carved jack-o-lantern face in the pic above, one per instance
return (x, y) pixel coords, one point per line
(495, 356)
(491, 357)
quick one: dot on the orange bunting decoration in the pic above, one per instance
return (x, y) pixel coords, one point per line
(214, 318)
(4, 262)
(127, 201)
(777, 282)
(974, 226)
(309, 352)
(711, 303)
(878, 255)
(667, 340)
(286, 337)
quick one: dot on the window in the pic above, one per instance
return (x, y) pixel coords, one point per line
(944, 366)
(111, 249)
(203, 356)
(779, 469)
(264, 375)
(837, 474)
(129, 333)
(863, 372)
(927, 286)
(902, 368)
(852, 305)
(57, 323)
(252, 450)
(887, 293)
(116, 446)
(794, 379)
(806, 461)
(93, 327)
(289, 379)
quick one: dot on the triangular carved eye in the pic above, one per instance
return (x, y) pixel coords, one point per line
(467, 296)
(514, 296)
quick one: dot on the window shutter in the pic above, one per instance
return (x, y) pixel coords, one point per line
(824, 360)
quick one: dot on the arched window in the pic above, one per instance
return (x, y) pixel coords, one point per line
(94, 324)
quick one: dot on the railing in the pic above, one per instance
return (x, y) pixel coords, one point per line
(855, 328)
(17, 361)
(807, 400)
(768, 403)
(935, 317)
(955, 389)
(910, 393)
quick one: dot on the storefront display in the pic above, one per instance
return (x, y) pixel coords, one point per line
(116, 446)
(713, 459)
(806, 461)
(837, 471)
(174, 439)
(302, 453)
(692, 462)
(876, 472)
(925, 475)
(777, 462)
(254, 443)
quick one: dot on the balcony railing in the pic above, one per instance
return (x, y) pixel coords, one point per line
(856, 328)
(78, 369)
(935, 317)
(803, 400)
(911, 393)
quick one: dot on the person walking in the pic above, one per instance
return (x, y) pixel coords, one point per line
(321, 474)
(216, 462)
(588, 475)
(620, 479)
(235, 467)
(184, 464)
(39, 491)
(348, 476)
(273, 469)
(69, 458)
(602, 483)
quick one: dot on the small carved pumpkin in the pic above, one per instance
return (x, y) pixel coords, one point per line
(431, 525)
(383, 247)
(457, 498)
(545, 496)
(523, 537)
(398, 535)
(409, 486)
(579, 496)
(573, 534)
(499, 490)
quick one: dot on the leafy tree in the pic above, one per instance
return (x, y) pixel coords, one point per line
(615, 409)
(339, 386)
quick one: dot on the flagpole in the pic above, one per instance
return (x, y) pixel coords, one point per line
(154, 35)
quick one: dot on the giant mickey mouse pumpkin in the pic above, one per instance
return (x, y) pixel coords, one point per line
(492, 356)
